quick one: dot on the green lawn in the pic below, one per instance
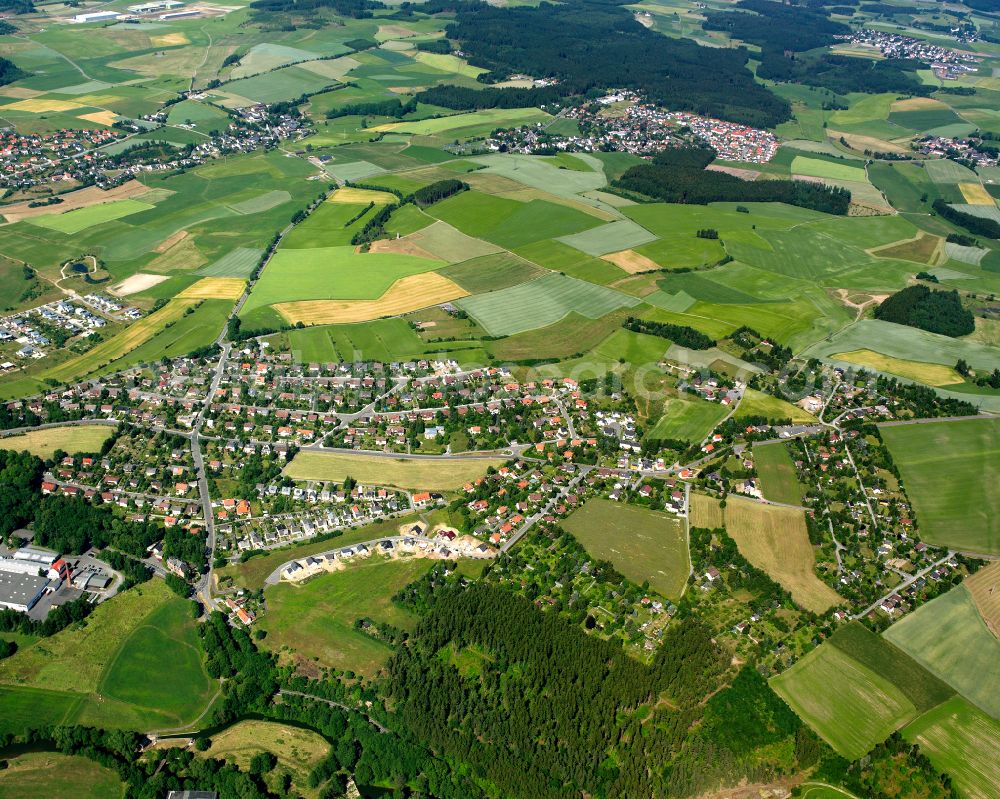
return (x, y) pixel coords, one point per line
(778, 480)
(315, 619)
(541, 302)
(951, 472)
(643, 544)
(949, 638)
(73, 222)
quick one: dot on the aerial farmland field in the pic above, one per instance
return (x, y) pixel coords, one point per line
(777, 474)
(644, 545)
(964, 510)
(400, 472)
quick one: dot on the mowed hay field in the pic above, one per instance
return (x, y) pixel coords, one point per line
(72, 439)
(316, 618)
(214, 288)
(135, 662)
(705, 511)
(848, 705)
(930, 374)
(642, 544)
(951, 471)
(757, 403)
(408, 473)
(129, 339)
(963, 742)
(778, 480)
(542, 302)
(687, 418)
(949, 638)
(49, 775)
(405, 295)
(984, 586)
(80, 219)
(775, 539)
(297, 750)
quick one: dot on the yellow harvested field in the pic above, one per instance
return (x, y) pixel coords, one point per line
(404, 246)
(39, 106)
(19, 92)
(100, 117)
(169, 40)
(115, 347)
(408, 473)
(975, 194)
(984, 586)
(631, 261)
(82, 198)
(407, 294)
(930, 374)
(705, 512)
(136, 283)
(214, 288)
(917, 104)
(72, 438)
(349, 195)
(775, 540)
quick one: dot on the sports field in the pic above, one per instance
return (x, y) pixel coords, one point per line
(316, 618)
(848, 705)
(405, 295)
(775, 540)
(778, 480)
(687, 418)
(963, 742)
(72, 439)
(76, 221)
(48, 775)
(951, 471)
(950, 639)
(402, 472)
(643, 544)
(541, 302)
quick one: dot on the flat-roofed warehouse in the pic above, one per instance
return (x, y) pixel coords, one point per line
(21, 591)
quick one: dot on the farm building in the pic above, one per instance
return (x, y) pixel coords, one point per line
(96, 16)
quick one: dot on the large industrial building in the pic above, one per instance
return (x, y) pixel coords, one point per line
(25, 576)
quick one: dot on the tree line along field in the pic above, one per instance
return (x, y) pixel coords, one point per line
(644, 545)
(950, 471)
(134, 663)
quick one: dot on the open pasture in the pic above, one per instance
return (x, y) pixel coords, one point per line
(75, 221)
(380, 340)
(407, 294)
(450, 244)
(491, 272)
(48, 775)
(848, 705)
(778, 479)
(775, 540)
(949, 638)
(331, 273)
(930, 374)
(821, 168)
(963, 742)
(612, 237)
(467, 124)
(316, 619)
(561, 257)
(644, 545)
(443, 474)
(330, 225)
(687, 418)
(951, 472)
(42, 443)
(541, 302)
(757, 403)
